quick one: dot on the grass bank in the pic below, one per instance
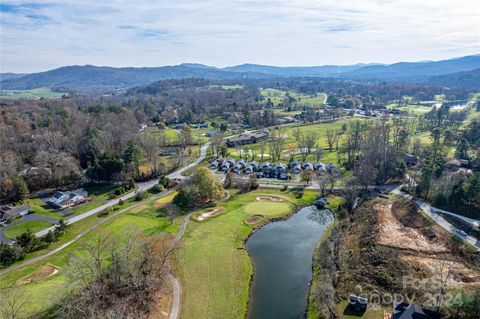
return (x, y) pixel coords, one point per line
(43, 294)
(213, 264)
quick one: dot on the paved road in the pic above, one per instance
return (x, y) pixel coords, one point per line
(140, 187)
(56, 250)
(431, 212)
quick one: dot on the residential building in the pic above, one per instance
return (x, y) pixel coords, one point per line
(10, 212)
(63, 200)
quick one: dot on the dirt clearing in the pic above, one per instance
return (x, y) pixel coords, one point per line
(392, 233)
(43, 273)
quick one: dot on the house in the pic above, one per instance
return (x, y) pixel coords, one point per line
(167, 152)
(321, 168)
(247, 139)
(280, 168)
(333, 169)
(251, 167)
(307, 166)
(358, 303)
(410, 159)
(215, 164)
(292, 164)
(266, 168)
(212, 133)
(63, 200)
(320, 203)
(199, 125)
(226, 166)
(237, 167)
(10, 212)
(403, 310)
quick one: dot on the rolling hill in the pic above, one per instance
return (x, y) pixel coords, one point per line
(99, 77)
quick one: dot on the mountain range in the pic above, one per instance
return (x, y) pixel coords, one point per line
(445, 72)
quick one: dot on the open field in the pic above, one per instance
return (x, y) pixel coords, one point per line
(145, 218)
(277, 97)
(213, 264)
(411, 108)
(35, 94)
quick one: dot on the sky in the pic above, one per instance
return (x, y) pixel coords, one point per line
(42, 35)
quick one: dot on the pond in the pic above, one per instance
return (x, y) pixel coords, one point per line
(282, 257)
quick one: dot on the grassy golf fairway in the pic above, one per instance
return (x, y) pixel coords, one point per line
(213, 265)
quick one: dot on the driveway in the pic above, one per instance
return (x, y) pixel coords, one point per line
(26, 218)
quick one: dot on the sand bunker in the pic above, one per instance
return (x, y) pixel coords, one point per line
(208, 214)
(270, 199)
(393, 234)
(43, 273)
(255, 219)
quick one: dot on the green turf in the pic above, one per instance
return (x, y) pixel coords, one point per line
(40, 208)
(34, 94)
(213, 264)
(34, 226)
(39, 294)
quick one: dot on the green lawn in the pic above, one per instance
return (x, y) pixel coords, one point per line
(213, 264)
(411, 108)
(40, 208)
(34, 226)
(39, 294)
(34, 94)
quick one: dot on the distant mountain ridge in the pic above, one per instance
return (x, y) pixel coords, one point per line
(89, 76)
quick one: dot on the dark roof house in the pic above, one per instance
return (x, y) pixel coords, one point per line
(9, 212)
(402, 310)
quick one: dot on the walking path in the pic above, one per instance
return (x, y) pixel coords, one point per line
(140, 186)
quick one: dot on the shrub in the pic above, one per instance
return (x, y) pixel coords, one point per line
(284, 188)
(50, 237)
(118, 191)
(300, 194)
(157, 188)
(440, 199)
(120, 202)
(183, 199)
(139, 195)
(105, 212)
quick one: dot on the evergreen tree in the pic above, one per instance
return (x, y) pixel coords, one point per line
(462, 149)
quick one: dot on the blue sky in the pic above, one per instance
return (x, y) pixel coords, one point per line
(41, 35)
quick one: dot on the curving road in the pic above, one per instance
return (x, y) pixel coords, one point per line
(433, 214)
(140, 186)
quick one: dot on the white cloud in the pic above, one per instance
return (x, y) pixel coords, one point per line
(48, 34)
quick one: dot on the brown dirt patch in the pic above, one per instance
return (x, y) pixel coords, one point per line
(255, 219)
(162, 305)
(460, 275)
(392, 233)
(269, 198)
(208, 214)
(45, 272)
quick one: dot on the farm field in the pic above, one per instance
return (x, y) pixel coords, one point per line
(145, 218)
(411, 108)
(277, 96)
(213, 264)
(35, 94)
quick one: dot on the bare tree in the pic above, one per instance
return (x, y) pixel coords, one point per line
(216, 141)
(323, 183)
(331, 137)
(12, 302)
